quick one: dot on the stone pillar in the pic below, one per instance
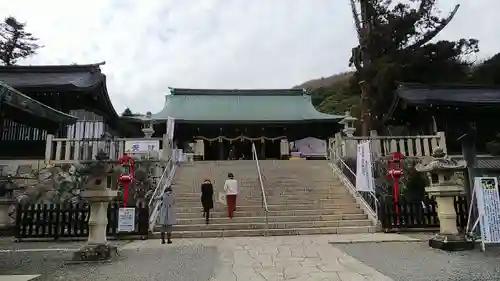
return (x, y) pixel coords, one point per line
(444, 185)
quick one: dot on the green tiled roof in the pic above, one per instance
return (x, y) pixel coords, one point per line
(241, 106)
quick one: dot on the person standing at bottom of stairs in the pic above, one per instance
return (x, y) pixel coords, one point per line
(231, 189)
(207, 194)
(167, 216)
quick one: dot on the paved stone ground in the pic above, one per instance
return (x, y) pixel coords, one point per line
(325, 257)
(226, 259)
(277, 258)
(418, 262)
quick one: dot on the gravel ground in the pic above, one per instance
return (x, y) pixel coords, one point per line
(180, 263)
(416, 261)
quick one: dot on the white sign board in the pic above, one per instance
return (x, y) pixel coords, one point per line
(141, 146)
(311, 146)
(488, 205)
(126, 219)
(364, 168)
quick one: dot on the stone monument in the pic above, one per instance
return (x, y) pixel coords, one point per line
(444, 185)
(98, 195)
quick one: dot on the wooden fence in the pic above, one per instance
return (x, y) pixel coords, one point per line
(61, 221)
(417, 215)
(410, 146)
(66, 150)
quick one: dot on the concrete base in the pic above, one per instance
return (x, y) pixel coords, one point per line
(450, 242)
(96, 252)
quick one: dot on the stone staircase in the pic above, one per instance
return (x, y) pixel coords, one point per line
(303, 198)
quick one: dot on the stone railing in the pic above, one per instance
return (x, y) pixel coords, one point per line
(410, 146)
(66, 150)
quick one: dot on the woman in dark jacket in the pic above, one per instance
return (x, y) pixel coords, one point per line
(207, 192)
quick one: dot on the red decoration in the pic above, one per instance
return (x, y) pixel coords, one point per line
(126, 175)
(396, 173)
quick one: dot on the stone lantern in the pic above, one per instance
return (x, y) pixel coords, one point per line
(148, 127)
(348, 123)
(444, 185)
(97, 193)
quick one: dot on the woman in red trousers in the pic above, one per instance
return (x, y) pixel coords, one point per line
(231, 189)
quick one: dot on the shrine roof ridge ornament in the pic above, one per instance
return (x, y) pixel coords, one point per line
(237, 92)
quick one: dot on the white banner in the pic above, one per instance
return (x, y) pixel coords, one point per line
(142, 145)
(488, 205)
(126, 219)
(364, 168)
(284, 147)
(170, 127)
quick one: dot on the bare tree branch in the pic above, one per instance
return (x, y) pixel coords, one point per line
(432, 33)
(357, 21)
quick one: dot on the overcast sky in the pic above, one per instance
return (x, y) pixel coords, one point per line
(149, 45)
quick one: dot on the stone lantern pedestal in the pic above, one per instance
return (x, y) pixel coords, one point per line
(98, 195)
(444, 185)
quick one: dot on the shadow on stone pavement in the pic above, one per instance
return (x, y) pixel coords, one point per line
(182, 263)
(419, 262)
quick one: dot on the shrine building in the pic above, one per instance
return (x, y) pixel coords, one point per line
(68, 101)
(222, 124)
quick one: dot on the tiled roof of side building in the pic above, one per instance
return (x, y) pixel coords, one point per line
(458, 94)
(13, 98)
(60, 79)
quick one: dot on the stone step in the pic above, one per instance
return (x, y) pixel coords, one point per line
(197, 207)
(290, 190)
(276, 202)
(271, 219)
(277, 197)
(260, 213)
(270, 232)
(273, 225)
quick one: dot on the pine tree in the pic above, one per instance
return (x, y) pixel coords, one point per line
(385, 28)
(15, 42)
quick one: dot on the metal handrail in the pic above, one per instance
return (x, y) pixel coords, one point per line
(264, 198)
(164, 182)
(159, 184)
(334, 157)
(160, 189)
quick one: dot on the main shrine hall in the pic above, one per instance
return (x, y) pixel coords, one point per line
(222, 124)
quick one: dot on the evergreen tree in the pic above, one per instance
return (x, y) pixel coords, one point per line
(15, 42)
(390, 33)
